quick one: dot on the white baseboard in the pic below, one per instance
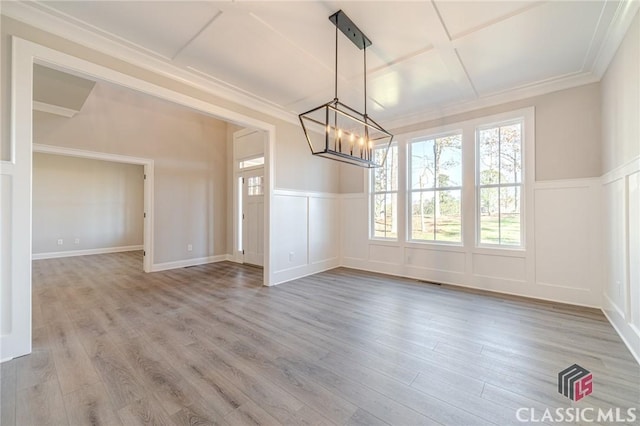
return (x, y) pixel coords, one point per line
(189, 262)
(627, 332)
(576, 297)
(283, 276)
(71, 253)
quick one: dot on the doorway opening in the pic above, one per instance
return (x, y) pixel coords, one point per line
(249, 193)
(16, 338)
(139, 220)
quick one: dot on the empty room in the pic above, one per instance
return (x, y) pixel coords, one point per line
(319, 212)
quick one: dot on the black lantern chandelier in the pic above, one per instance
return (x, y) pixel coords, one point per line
(339, 132)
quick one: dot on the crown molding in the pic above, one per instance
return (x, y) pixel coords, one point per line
(500, 98)
(627, 10)
(54, 109)
(34, 15)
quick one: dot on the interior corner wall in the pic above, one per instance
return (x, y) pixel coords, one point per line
(89, 206)
(190, 164)
(621, 188)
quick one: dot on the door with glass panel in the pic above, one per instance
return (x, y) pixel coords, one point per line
(252, 216)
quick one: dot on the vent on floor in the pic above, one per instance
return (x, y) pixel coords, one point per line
(428, 282)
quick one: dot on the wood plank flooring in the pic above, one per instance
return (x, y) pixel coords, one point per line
(211, 345)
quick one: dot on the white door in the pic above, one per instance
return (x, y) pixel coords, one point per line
(253, 216)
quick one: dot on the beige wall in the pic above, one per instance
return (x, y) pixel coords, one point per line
(190, 160)
(567, 134)
(621, 103)
(567, 131)
(295, 168)
(99, 203)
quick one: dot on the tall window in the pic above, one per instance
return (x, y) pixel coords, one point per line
(436, 188)
(499, 168)
(384, 195)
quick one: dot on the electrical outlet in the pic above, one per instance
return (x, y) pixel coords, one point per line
(60, 242)
(189, 247)
(77, 241)
(291, 254)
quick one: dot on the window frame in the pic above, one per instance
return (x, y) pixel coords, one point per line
(469, 203)
(243, 160)
(522, 185)
(373, 193)
(426, 136)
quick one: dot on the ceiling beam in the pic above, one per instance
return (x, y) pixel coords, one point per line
(441, 40)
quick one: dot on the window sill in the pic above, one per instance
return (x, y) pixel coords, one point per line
(500, 251)
(436, 245)
(384, 242)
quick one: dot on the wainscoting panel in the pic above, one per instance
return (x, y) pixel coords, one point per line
(6, 195)
(354, 226)
(614, 254)
(634, 248)
(568, 235)
(499, 267)
(324, 228)
(621, 196)
(440, 260)
(290, 233)
(305, 235)
(561, 262)
(385, 254)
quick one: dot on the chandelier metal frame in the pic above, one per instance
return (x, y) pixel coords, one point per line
(339, 132)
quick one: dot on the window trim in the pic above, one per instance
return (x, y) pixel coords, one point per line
(469, 194)
(373, 193)
(425, 136)
(244, 159)
(522, 184)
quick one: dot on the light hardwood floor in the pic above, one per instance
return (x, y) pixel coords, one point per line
(210, 345)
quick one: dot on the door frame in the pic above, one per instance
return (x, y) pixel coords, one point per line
(237, 173)
(241, 173)
(15, 339)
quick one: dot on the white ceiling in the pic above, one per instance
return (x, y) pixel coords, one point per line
(426, 55)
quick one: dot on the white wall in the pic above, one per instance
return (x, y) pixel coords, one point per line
(97, 203)
(307, 233)
(621, 188)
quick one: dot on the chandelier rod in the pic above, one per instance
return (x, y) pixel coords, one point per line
(365, 81)
(336, 73)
